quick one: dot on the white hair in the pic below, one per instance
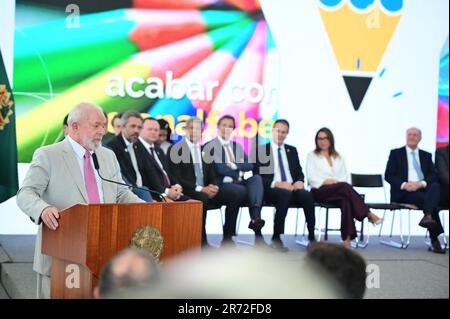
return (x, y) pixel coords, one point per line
(81, 112)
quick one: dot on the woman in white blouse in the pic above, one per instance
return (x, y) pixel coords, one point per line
(327, 176)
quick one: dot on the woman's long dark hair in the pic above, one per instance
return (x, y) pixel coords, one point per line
(330, 137)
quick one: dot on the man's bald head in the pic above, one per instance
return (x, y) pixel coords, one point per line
(413, 137)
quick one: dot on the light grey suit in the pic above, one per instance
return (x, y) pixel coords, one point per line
(54, 179)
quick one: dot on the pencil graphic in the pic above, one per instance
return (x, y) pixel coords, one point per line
(214, 68)
(178, 57)
(235, 96)
(120, 33)
(173, 4)
(359, 33)
(247, 5)
(268, 109)
(442, 121)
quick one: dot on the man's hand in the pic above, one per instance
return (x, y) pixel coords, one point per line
(174, 193)
(211, 190)
(299, 185)
(284, 185)
(49, 216)
(413, 186)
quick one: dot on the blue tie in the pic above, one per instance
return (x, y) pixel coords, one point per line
(417, 166)
(280, 161)
(197, 168)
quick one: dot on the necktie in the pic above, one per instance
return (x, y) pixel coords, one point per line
(135, 165)
(89, 179)
(417, 166)
(280, 163)
(197, 167)
(161, 168)
(229, 153)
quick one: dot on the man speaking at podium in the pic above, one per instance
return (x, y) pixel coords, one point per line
(62, 175)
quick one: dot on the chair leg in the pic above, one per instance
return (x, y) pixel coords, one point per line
(303, 241)
(360, 243)
(326, 224)
(319, 222)
(239, 218)
(238, 226)
(403, 244)
(296, 222)
(382, 223)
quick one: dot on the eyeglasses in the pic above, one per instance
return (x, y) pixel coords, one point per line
(322, 138)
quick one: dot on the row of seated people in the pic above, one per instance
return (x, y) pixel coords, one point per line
(214, 174)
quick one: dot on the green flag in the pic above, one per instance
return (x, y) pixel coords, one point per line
(9, 183)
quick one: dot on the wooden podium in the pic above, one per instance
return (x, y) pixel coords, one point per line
(89, 235)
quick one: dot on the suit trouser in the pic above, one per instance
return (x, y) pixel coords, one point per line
(428, 200)
(282, 199)
(232, 199)
(43, 286)
(254, 190)
(348, 200)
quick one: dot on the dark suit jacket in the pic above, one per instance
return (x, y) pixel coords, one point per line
(152, 175)
(217, 152)
(181, 165)
(397, 170)
(265, 164)
(118, 146)
(442, 166)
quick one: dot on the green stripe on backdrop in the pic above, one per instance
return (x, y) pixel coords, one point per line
(8, 156)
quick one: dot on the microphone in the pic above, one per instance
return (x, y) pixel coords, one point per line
(97, 168)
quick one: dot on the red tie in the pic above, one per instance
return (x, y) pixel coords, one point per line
(90, 180)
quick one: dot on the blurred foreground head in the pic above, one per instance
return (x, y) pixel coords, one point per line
(342, 265)
(130, 271)
(235, 273)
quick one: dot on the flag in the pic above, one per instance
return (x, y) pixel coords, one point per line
(9, 183)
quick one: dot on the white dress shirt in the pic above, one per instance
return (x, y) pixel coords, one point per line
(195, 148)
(79, 152)
(318, 169)
(130, 149)
(277, 171)
(412, 173)
(233, 166)
(147, 146)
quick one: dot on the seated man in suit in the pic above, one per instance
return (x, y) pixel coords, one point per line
(197, 177)
(62, 175)
(441, 157)
(231, 162)
(153, 164)
(282, 174)
(123, 145)
(412, 176)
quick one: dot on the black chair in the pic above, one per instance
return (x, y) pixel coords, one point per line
(376, 181)
(357, 243)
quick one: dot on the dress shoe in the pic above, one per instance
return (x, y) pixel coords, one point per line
(278, 245)
(436, 247)
(427, 222)
(257, 224)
